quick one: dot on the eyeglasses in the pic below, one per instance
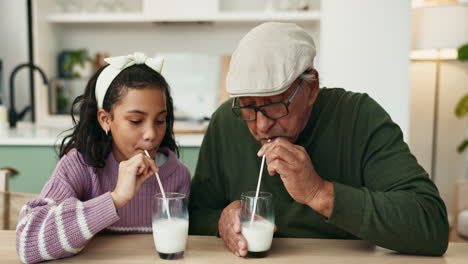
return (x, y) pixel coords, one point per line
(272, 111)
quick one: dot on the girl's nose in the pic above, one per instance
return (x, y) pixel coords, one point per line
(150, 133)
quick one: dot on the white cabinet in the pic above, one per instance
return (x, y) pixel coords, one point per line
(179, 10)
(188, 11)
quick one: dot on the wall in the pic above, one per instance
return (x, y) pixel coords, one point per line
(14, 50)
(365, 46)
(450, 165)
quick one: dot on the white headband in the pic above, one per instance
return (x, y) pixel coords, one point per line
(116, 65)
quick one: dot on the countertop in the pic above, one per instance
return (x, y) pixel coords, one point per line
(187, 134)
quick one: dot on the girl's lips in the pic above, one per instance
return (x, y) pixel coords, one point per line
(151, 151)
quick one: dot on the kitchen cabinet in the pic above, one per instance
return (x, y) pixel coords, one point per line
(218, 11)
(36, 164)
(151, 26)
(30, 149)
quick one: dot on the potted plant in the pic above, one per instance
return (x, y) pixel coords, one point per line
(461, 109)
(75, 64)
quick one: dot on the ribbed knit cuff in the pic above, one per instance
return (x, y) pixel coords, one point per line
(348, 208)
(100, 212)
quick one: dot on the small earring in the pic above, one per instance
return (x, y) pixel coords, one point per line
(107, 132)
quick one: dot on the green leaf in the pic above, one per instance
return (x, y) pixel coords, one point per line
(462, 106)
(463, 52)
(462, 146)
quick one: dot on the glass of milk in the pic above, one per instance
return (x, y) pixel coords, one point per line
(259, 232)
(170, 231)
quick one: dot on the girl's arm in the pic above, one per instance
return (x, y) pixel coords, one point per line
(59, 224)
(51, 229)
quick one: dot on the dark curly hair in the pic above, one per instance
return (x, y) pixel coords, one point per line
(87, 135)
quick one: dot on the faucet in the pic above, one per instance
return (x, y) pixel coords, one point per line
(13, 116)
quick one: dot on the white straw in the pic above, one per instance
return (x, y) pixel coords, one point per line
(162, 190)
(258, 188)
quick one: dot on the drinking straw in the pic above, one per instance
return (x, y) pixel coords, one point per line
(258, 188)
(162, 190)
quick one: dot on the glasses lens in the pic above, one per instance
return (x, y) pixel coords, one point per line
(274, 111)
(247, 114)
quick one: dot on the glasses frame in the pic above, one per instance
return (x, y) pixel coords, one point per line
(237, 109)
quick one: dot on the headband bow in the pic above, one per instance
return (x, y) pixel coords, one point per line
(118, 64)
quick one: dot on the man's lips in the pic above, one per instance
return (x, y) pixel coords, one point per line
(265, 139)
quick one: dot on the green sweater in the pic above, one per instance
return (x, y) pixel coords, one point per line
(382, 194)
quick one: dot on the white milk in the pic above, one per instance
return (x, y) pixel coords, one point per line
(170, 236)
(259, 235)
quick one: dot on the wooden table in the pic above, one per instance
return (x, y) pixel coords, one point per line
(10, 205)
(203, 249)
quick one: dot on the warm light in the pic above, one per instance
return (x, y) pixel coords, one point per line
(434, 54)
(422, 3)
(440, 27)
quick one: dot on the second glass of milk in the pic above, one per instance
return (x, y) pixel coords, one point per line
(257, 230)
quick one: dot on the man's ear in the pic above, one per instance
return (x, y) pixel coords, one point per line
(313, 86)
(104, 119)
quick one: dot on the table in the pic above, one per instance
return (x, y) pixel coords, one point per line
(126, 249)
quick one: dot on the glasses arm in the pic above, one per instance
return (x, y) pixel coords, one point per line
(295, 92)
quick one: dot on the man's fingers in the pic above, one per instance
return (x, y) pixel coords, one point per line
(242, 242)
(280, 167)
(236, 225)
(230, 229)
(232, 242)
(239, 245)
(288, 155)
(263, 149)
(242, 245)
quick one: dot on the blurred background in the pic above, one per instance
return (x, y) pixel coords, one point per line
(410, 56)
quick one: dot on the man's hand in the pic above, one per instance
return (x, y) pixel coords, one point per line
(297, 172)
(229, 227)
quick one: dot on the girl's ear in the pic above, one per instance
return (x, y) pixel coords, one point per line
(104, 119)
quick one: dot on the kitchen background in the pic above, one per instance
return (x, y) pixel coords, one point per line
(363, 46)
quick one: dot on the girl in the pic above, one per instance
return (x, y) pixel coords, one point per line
(103, 180)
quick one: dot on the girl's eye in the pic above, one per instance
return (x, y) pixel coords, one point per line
(161, 121)
(135, 121)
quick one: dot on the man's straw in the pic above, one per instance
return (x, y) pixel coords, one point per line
(258, 188)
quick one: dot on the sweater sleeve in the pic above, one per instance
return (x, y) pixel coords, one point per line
(399, 208)
(58, 224)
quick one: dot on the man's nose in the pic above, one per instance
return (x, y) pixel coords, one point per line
(263, 123)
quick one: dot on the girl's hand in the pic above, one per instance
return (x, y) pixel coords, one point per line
(132, 173)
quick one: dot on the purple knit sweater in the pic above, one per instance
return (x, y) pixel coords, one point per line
(76, 203)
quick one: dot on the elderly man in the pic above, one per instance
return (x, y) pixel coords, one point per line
(339, 165)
